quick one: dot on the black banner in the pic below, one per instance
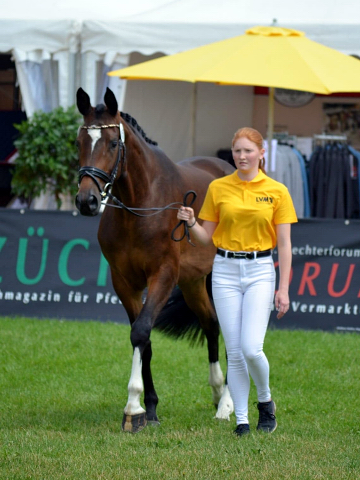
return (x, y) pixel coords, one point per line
(51, 266)
(325, 279)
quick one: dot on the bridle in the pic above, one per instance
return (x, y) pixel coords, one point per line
(94, 173)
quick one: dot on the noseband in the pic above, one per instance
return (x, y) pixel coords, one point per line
(94, 172)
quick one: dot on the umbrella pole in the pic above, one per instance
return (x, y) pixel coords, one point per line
(193, 120)
(270, 131)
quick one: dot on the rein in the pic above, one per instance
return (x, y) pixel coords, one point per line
(105, 193)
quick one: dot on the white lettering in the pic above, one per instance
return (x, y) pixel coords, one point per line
(312, 250)
(99, 297)
(26, 297)
(321, 308)
(295, 306)
(107, 298)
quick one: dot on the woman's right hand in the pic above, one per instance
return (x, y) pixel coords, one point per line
(186, 214)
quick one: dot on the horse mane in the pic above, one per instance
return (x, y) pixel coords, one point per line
(131, 121)
(100, 109)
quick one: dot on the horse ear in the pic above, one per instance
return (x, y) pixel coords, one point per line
(111, 102)
(83, 102)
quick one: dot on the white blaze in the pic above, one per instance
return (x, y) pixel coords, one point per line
(95, 135)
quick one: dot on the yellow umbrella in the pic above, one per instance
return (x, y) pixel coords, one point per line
(264, 56)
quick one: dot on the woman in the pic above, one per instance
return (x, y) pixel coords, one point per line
(246, 214)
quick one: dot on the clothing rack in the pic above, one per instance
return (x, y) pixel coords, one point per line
(329, 138)
(285, 137)
(333, 178)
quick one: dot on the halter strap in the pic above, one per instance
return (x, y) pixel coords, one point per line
(94, 172)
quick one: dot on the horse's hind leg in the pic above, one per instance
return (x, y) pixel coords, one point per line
(226, 405)
(196, 297)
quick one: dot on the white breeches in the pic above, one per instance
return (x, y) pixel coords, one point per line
(243, 292)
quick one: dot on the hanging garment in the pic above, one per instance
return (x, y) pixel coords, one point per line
(356, 155)
(288, 171)
(305, 182)
(334, 188)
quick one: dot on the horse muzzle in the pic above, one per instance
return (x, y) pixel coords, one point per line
(88, 205)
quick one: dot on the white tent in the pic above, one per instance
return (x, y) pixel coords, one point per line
(60, 45)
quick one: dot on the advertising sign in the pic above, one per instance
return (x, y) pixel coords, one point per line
(51, 266)
(325, 277)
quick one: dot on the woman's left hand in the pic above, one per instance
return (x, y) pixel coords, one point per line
(282, 303)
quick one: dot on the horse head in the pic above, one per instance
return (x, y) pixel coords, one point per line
(100, 142)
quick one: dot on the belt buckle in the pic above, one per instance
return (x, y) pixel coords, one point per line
(240, 255)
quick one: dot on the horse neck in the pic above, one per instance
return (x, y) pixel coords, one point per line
(137, 182)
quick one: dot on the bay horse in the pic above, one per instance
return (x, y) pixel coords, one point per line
(120, 164)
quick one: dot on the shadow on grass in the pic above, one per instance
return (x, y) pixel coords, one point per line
(108, 416)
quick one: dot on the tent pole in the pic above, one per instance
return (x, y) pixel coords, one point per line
(270, 131)
(193, 120)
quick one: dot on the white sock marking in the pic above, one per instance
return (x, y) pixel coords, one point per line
(226, 405)
(135, 387)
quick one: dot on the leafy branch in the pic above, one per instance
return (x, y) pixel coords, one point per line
(47, 158)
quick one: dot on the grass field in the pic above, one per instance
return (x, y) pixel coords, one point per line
(64, 386)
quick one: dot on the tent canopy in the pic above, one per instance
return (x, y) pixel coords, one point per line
(61, 45)
(149, 26)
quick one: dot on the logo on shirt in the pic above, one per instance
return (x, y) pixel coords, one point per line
(264, 200)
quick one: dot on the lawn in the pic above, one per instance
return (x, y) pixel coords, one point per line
(64, 386)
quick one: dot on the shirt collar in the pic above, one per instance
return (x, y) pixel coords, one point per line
(236, 179)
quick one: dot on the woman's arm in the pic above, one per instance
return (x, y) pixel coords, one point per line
(202, 233)
(282, 301)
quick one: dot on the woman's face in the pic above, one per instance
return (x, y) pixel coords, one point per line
(246, 155)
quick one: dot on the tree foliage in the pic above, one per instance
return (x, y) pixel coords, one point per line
(47, 160)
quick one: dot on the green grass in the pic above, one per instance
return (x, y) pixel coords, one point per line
(63, 388)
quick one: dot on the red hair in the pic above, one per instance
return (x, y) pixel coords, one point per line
(255, 137)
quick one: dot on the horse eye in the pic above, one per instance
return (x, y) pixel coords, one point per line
(77, 144)
(114, 143)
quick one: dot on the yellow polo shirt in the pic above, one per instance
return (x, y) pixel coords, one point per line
(247, 212)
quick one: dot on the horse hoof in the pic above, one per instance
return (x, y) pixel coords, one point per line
(153, 423)
(226, 406)
(134, 423)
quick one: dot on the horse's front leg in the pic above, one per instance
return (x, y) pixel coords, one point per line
(150, 397)
(132, 302)
(135, 416)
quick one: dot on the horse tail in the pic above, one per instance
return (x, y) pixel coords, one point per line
(177, 320)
